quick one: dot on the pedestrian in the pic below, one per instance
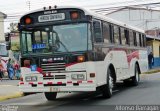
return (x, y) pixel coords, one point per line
(1, 69)
(17, 70)
(150, 60)
(10, 69)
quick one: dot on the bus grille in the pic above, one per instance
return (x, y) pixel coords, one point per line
(53, 67)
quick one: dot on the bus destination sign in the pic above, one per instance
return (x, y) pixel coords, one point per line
(51, 17)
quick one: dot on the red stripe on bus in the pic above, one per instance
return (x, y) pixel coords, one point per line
(21, 83)
(40, 82)
(49, 82)
(69, 82)
(59, 82)
(70, 64)
(90, 81)
(31, 83)
(79, 81)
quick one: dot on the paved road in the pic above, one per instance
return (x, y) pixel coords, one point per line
(147, 93)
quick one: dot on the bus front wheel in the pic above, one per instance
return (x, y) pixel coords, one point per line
(108, 88)
(50, 95)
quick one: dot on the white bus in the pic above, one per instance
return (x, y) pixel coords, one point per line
(75, 50)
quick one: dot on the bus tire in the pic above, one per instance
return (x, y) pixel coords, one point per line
(107, 88)
(50, 95)
(136, 78)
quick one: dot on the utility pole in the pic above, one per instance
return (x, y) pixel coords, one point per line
(29, 5)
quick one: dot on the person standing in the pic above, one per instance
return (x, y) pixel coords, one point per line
(150, 60)
(10, 69)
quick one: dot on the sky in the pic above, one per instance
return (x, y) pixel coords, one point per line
(16, 8)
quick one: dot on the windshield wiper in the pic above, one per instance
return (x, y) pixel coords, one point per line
(59, 41)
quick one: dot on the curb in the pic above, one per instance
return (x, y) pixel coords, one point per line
(152, 71)
(14, 95)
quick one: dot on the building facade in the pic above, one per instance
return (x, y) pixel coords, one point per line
(2, 17)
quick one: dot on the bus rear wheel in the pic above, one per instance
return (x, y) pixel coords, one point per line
(135, 79)
(108, 88)
(50, 95)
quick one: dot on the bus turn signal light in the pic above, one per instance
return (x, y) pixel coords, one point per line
(28, 20)
(81, 58)
(74, 15)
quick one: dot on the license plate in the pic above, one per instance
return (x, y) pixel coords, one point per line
(54, 89)
(51, 17)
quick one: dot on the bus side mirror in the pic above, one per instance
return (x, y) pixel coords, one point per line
(8, 41)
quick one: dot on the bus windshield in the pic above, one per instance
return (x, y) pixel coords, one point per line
(56, 39)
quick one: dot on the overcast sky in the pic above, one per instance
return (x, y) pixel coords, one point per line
(16, 8)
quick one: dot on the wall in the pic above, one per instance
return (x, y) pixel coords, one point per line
(1, 29)
(137, 17)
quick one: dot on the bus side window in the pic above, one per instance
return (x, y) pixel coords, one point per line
(123, 38)
(144, 40)
(106, 32)
(135, 39)
(111, 30)
(97, 31)
(126, 33)
(116, 35)
(131, 39)
(140, 40)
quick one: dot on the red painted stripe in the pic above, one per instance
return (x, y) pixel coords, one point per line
(90, 81)
(79, 81)
(40, 82)
(49, 82)
(69, 82)
(59, 82)
(31, 83)
(21, 83)
(67, 65)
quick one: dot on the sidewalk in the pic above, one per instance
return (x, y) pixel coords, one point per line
(8, 91)
(154, 70)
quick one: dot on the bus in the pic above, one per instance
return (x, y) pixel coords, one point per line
(71, 49)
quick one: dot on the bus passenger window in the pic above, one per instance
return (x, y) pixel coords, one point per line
(140, 40)
(123, 38)
(144, 40)
(97, 31)
(131, 39)
(116, 35)
(106, 32)
(135, 39)
(126, 32)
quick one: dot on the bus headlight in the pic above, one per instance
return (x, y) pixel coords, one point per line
(77, 77)
(31, 78)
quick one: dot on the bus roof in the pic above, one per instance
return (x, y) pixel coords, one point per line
(95, 15)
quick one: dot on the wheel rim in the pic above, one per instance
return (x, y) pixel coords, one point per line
(110, 84)
(137, 76)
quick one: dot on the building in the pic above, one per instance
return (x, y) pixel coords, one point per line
(2, 17)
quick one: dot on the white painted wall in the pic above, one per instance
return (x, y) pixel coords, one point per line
(1, 28)
(144, 19)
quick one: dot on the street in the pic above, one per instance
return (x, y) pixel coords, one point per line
(146, 93)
